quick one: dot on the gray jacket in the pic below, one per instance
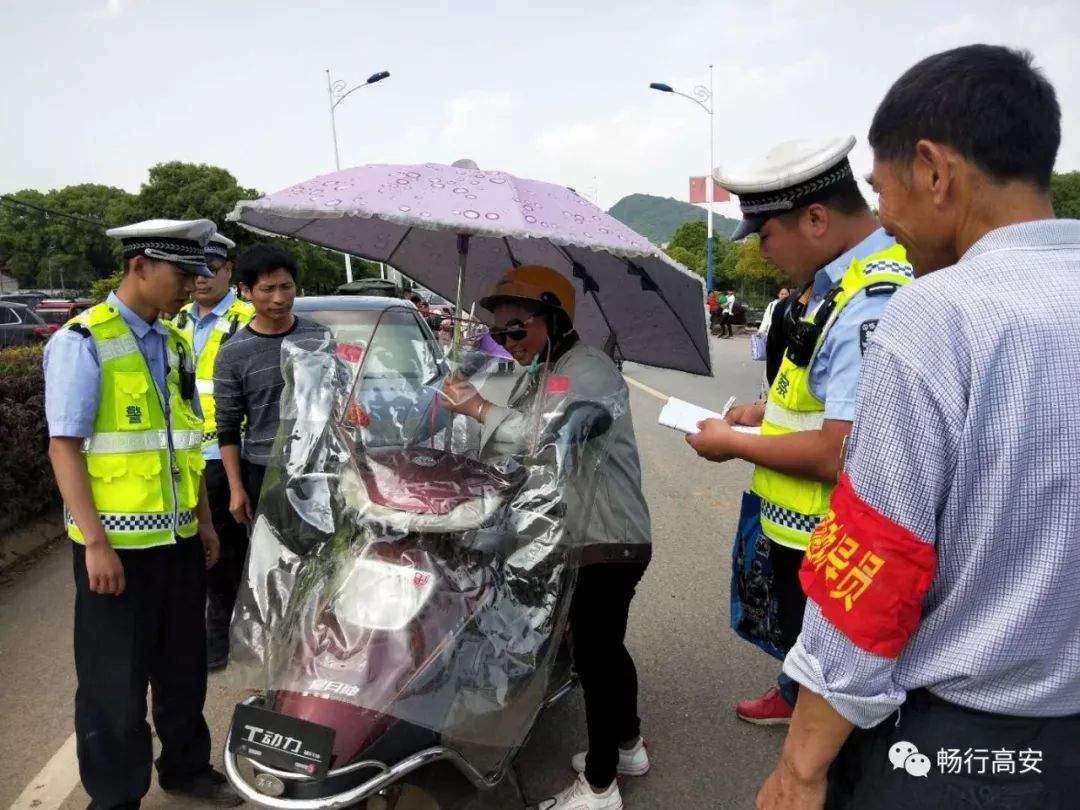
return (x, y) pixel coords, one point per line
(619, 529)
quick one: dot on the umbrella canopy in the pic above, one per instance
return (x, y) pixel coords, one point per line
(430, 220)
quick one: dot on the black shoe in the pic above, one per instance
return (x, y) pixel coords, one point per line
(209, 786)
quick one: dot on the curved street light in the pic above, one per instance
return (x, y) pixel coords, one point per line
(338, 93)
(703, 97)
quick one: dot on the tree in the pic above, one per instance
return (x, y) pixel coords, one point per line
(65, 248)
(688, 247)
(1065, 194)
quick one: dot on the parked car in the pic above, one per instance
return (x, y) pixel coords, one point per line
(29, 299)
(20, 325)
(403, 362)
(58, 311)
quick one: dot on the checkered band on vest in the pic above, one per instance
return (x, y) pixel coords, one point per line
(887, 266)
(792, 520)
(120, 522)
(209, 436)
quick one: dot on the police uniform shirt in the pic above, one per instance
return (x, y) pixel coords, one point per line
(834, 376)
(73, 372)
(204, 326)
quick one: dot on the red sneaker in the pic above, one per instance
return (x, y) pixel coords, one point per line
(768, 710)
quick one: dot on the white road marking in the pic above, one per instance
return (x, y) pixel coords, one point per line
(53, 784)
(660, 395)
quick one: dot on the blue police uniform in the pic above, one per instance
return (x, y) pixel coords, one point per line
(152, 635)
(834, 377)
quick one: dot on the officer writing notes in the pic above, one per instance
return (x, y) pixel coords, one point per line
(209, 320)
(125, 449)
(815, 225)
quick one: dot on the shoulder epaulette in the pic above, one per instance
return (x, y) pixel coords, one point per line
(79, 328)
(99, 314)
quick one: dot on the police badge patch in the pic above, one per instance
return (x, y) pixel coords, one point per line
(866, 330)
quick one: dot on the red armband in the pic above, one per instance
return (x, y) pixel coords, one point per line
(867, 573)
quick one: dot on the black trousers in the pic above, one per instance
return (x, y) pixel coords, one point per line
(725, 325)
(791, 600)
(150, 635)
(598, 617)
(253, 475)
(862, 777)
(223, 580)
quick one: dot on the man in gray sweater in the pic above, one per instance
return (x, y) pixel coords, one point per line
(247, 372)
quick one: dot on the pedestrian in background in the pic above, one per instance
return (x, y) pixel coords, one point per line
(125, 448)
(728, 315)
(944, 612)
(214, 316)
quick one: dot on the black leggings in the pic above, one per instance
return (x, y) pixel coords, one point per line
(598, 617)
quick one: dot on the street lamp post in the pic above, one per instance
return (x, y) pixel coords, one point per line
(338, 93)
(702, 96)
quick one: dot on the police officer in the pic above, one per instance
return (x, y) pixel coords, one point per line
(803, 201)
(125, 449)
(208, 321)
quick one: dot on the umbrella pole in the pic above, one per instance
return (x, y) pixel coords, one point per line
(463, 257)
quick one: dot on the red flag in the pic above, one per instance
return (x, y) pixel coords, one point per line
(867, 573)
(697, 191)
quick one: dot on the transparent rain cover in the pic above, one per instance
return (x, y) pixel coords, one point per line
(401, 586)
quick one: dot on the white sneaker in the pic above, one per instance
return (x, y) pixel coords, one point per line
(632, 762)
(581, 796)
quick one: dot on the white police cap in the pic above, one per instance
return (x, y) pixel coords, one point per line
(219, 246)
(179, 241)
(791, 175)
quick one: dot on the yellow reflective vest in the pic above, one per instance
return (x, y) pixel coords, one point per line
(236, 315)
(791, 507)
(144, 469)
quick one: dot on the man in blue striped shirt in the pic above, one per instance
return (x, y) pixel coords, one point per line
(940, 650)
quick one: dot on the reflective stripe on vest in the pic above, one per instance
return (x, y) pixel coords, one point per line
(793, 420)
(792, 507)
(133, 442)
(144, 492)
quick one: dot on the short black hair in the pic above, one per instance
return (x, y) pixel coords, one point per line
(988, 102)
(261, 259)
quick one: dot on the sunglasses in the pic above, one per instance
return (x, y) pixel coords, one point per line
(515, 330)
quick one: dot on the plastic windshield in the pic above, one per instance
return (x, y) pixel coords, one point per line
(405, 583)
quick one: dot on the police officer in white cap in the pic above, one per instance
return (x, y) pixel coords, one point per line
(803, 202)
(214, 316)
(125, 448)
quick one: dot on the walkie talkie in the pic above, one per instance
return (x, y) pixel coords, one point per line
(803, 336)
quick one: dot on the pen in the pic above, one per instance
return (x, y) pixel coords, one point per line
(727, 407)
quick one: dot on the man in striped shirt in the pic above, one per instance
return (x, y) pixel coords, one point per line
(247, 372)
(939, 657)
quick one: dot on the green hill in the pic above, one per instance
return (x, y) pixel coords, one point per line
(658, 217)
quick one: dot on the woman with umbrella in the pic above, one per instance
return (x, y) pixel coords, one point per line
(533, 311)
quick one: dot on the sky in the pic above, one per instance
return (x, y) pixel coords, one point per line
(99, 91)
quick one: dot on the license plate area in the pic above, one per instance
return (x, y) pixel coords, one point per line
(282, 742)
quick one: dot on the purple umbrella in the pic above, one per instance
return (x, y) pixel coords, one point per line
(456, 230)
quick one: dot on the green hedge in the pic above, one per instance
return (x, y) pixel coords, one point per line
(26, 481)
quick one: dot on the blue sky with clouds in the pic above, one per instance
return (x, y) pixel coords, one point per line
(98, 91)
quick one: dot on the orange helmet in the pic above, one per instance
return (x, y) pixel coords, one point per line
(535, 284)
